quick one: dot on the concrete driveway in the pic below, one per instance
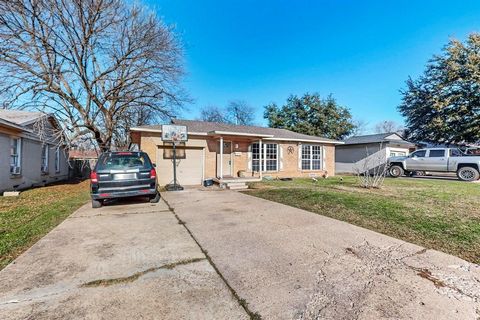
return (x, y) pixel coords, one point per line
(130, 261)
(288, 263)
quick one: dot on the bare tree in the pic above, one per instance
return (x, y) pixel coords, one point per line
(360, 127)
(92, 63)
(372, 170)
(388, 126)
(236, 112)
(213, 114)
(240, 112)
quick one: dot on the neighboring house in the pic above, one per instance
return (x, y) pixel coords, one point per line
(82, 161)
(226, 152)
(28, 158)
(363, 153)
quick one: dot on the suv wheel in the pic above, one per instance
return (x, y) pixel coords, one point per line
(155, 198)
(468, 174)
(97, 203)
(395, 171)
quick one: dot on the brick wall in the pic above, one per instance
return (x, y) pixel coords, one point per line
(149, 142)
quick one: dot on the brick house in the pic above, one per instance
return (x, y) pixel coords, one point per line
(228, 153)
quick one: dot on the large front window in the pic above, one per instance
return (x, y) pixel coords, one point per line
(269, 157)
(15, 155)
(311, 157)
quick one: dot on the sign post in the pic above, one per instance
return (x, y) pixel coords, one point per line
(174, 134)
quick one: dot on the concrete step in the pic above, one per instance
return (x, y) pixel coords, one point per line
(237, 186)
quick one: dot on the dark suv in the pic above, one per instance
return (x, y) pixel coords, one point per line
(123, 174)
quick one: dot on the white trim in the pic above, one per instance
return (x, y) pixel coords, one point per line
(260, 145)
(230, 133)
(160, 131)
(221, 157)
(306, 140)
(57, 160)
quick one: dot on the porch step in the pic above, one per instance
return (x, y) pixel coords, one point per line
(236, 185)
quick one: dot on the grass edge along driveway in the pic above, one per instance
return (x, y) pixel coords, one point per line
(27, 218)
(437, 214)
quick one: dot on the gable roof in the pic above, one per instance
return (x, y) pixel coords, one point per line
(20, 117)
(377, 138)
(215, 128)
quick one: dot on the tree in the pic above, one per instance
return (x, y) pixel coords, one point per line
(387, 126)
(236, 112)
(443, 105)
(93, 63)
(311, 115)
(213, 114)
(239, 112)
(360, 127)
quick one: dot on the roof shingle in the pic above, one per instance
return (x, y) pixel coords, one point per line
(206, 127)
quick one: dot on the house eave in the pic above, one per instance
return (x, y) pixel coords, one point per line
(230, 133)
(306, 140)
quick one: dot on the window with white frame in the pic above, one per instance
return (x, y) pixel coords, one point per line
(57, 160)
(269, 157)
(311, 157)
(15, 155)
(45, 158)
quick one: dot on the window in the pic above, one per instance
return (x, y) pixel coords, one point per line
(456, 153)
(397, 154)
(57, 160)
(419, 154)
(15, 155)
(44, 158)
(436, 153)
(311, 157)
(123, 160)
(269, 157)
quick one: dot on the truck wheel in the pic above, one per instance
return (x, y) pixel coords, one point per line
(395, 171)
(468, 174)
(155, 198)
(97, 203)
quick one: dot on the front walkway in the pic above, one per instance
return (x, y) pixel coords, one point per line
(292, 264)
(130, 261)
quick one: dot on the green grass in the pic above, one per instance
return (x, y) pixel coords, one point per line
(437, 214)
(28, 217)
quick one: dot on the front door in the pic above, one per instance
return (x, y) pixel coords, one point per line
(227, 159)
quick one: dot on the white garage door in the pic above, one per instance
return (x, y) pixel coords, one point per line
(189, 169)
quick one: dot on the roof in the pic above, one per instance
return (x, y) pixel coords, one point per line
(377, 138)
(20, 117)
(214, 128)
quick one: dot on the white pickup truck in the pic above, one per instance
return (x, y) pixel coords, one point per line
(466, 166)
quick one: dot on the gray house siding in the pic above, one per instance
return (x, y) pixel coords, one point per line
(31, 157)
(354, 153)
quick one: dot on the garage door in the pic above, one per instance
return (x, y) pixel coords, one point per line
(189, 166)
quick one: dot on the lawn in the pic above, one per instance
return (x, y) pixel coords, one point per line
(28, 217)
(437, 214)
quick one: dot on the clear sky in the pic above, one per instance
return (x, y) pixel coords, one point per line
(360, 51)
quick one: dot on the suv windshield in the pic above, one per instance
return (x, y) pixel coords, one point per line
(123, 160)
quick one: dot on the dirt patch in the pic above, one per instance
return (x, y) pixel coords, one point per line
(370, 289)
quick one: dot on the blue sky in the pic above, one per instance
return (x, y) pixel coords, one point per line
(360, 51)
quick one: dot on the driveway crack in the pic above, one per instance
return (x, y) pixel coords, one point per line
(242, 302)
(135, 276)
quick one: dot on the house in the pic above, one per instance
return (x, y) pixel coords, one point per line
(29, 156)
(363, 153)
(228, 152)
